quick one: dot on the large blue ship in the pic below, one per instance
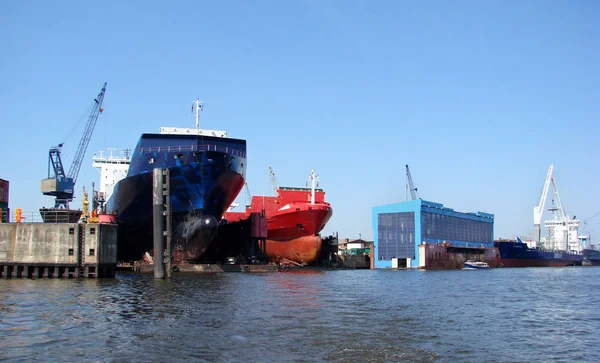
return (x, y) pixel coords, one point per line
(207, 172)
(519, 254)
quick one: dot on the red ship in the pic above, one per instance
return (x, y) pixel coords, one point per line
(294, 219)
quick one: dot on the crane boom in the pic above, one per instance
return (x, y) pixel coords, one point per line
(87, 135)
(414, 194)
(248, 196)
(559, 207)
(273, 180)
(538, 210)
(61, 185)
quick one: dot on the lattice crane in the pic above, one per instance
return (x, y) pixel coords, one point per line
(60, 184)
(538, 210)
(414, 194)
(273, 180)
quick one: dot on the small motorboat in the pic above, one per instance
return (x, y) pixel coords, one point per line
(475, 265)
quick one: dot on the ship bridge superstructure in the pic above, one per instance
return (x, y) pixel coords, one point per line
(112, 169)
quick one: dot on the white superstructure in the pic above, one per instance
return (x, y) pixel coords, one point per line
(112, 169)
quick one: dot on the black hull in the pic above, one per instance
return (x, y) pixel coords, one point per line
(200, 194)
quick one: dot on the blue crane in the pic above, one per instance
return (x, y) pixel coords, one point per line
(60, 184)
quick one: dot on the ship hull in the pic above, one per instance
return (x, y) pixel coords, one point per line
(515, 254)
(301, 250)
(300, 219)
(293, 223)
(292, 232)
(200, 192)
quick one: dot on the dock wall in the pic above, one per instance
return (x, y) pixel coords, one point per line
(436, 257)
(57, 250)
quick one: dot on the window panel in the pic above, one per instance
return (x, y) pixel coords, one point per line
(398, 240)
(450, 228)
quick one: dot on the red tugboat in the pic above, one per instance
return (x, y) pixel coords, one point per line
(294, 219)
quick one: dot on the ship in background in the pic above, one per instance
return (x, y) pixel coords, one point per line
(295, 217)
(112, 170)
(520, 254)
(591, 252)
(207, 171)
(591, 256)
(562, 247)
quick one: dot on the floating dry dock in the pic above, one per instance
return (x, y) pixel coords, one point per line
(57, 250)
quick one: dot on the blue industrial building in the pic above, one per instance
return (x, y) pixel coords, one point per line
(400, 228)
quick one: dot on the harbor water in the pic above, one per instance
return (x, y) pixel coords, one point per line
(497, 315)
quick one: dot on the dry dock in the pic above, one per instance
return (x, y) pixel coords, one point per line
(57, 250)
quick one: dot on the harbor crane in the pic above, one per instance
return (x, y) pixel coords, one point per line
(585, 229)
(562, 230)
(248, 196)
(538, 210)
(414, 194)
(589, 219)
(273, 180)
(59, 184)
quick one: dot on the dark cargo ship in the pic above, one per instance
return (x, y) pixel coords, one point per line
(519, 254)
(207, 171)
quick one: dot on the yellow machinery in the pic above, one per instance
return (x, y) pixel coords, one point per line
(87, 216)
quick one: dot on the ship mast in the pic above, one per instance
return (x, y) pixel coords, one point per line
(199, 107)
(314, 178)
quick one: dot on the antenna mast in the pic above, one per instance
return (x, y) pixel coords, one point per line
(199, 107)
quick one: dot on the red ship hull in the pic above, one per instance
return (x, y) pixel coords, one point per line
(296, 220)
(302, 250)
(293, 223)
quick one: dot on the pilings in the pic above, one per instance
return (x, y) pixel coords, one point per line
(161, 209)
(158, 225)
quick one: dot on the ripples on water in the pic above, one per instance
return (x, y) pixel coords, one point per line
(499, 315)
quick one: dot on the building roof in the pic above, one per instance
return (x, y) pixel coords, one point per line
(345, 241)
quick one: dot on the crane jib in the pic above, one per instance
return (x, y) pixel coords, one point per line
(59, 185)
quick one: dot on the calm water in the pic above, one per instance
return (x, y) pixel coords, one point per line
(499, 315)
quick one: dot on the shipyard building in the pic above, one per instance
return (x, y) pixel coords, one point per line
(423, 234)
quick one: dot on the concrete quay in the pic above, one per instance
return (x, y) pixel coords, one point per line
(57, 250)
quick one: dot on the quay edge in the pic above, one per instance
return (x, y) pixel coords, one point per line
(57, 250)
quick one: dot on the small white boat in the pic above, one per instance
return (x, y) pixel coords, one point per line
(475, 265)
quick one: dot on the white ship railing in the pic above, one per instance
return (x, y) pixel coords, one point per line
(225, 149)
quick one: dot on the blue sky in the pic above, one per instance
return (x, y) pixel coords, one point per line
(478, 97)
